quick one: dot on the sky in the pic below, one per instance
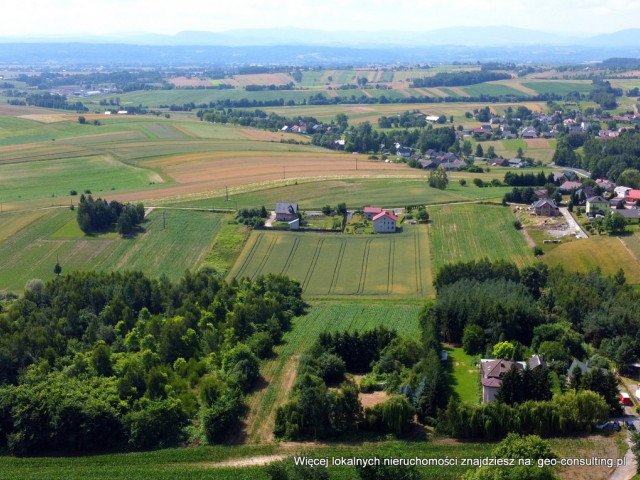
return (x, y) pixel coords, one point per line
(97, 17)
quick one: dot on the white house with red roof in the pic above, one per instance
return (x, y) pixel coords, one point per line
(384, 222)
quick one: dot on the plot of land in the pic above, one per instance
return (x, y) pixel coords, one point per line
(323, 317)
(460, 233)
(334, 264)
(31, 252)
(608, 253)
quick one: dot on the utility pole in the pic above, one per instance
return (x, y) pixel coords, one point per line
(164, 221)
(283, 172)
(227, 190)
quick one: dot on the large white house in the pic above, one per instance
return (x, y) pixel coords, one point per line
(384, 222)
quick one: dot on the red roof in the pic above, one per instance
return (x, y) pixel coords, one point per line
(383, 214)
(633, 195)
(372, 209)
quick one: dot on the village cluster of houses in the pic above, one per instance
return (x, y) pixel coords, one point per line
(622, 200)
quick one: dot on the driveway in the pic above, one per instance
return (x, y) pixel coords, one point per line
(573, 225)
(629, 469)
(272, 218)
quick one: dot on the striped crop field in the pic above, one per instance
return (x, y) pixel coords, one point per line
(336, 265)
(461, 233)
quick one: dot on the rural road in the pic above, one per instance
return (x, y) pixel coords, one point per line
(630, 468)
(573, 225)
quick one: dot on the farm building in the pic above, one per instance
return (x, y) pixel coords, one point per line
(286, 211)
(384, 223)
(546, 207)
(597, 205)
(370, 212)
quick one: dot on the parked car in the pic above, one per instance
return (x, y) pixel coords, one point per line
(630, 425)
(610, 426)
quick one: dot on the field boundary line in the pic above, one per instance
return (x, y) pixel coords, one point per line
(628, 249)
(265, 258)
(249, 256)
(416, 244)
(365, 262)
(392, 253)
(312, 266)
(292, 253)
(337, 267)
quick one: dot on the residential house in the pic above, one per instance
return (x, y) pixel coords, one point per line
(529, 132)
(546, 208)
(427, 163)
(518, 163)
(494, 370)
(508, 135)
(403, 152)
(605, 184)
(338, 144)
(451, 165)
(567, 186)
(492, 373)
(370, 212)
(384, 222)
(631, 215)
(617, 203)
(597, 205)
(286, 211)
(632, 197)
(621, 191)
(558, 176)
(499, 162)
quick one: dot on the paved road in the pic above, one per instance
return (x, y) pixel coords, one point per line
(630, 468)
(579, 171)
(573, 225)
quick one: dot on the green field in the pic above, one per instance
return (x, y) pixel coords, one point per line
(32, 251)
(460, 233)
(560, 87)
(335, 264)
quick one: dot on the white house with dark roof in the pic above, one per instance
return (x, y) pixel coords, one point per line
(384, 222)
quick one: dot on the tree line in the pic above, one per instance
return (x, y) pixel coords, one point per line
(458, 79)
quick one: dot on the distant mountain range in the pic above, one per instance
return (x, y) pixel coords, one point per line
(294, 46)
(472, 36)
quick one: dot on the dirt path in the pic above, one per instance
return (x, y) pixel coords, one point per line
(246, 462)
(280, 375)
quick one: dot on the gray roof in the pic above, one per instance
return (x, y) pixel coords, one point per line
(542, 201)
(287, 207)
(629, 213)
(597, 199)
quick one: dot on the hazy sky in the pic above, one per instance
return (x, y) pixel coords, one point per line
(47, 17)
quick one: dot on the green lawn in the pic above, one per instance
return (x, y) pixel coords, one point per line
(464, 375)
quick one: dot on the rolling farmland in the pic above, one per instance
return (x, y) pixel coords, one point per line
(337, 265)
